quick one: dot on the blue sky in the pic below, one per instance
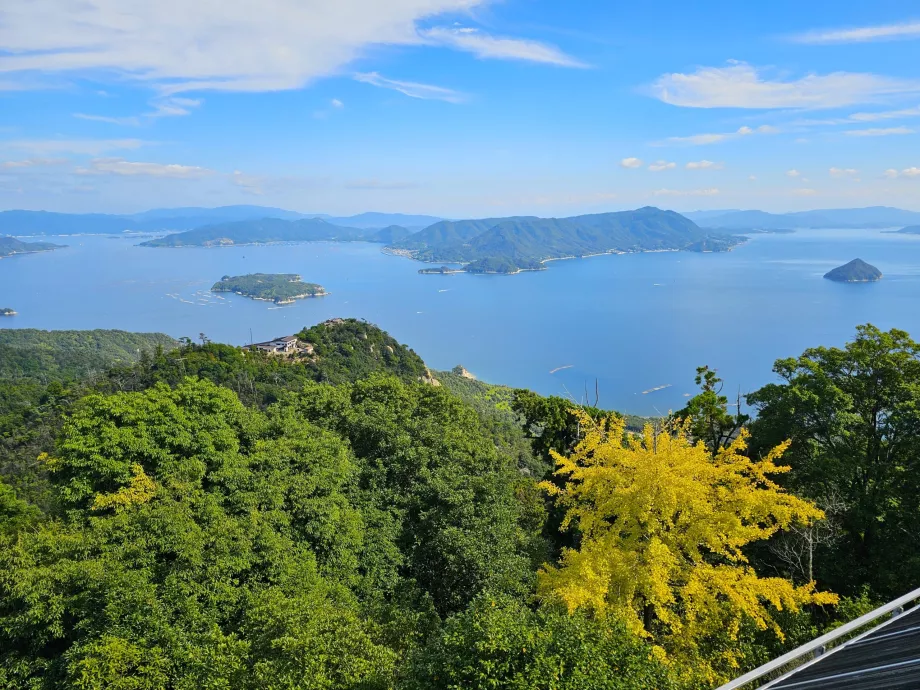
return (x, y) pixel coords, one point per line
(459, 108)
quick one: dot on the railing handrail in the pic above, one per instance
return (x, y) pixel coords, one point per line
(819, 642)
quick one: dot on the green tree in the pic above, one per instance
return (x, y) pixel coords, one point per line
(708, 414)
(853, 416)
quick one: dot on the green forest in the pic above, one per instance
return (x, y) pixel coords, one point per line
(196, 515)
(279, 288)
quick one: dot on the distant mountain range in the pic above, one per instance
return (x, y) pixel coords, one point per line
(267, 230)
(872, 217)
(519, 241)
(184, 218)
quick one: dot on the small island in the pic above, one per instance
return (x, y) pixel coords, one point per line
(504, 266)
(857, 271)
(280, 288)
(10, 246)
(6, 311)
(910, 230)
(442, 271)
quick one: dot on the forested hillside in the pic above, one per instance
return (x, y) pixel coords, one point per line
(214, 517)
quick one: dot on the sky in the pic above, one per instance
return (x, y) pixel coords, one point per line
(459, 108)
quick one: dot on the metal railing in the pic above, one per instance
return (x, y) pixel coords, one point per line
(820, 644)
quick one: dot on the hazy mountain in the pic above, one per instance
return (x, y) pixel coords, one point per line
(380, 220)
(47, 223)
(448, 232)
(261, 231)
(871, 217)
(391, 234)
(10, 246)
(225, 214)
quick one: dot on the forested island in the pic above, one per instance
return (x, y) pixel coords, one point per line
(440, 271)
(510, 245)
(10, 246)
(280, 288)
(7, 311)
(856, 271)
(273, 230)
(498, 266)
(212, 516)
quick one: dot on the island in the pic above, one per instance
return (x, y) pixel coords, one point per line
(857, 271)
(6, 311)
(10, 246)
(441, 271)
(910, 230)
(280, 288)
(524, 243)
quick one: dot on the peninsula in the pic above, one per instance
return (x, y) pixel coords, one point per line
(280, 288)
(857, 271)
(10, 246)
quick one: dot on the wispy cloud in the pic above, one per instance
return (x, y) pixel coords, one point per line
(173, 106)
(687, 192)
(843, 172)
(248, 183)
(483, 45)
(793, 173)
(89, 147)
(885, 115)
(716, 138)
(631, 163)
(879, 131)
(412, 89)
(804, 191)
(703, 165)
(177, 46)
(379, 184)
(740, 85)
(336, 103)
(33, 163)
(864, 34)
(662, 165)
(119, 166)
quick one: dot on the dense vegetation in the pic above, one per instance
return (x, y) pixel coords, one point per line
(503, 265)
(523, 241)
(10, 246)
(268, 230)
(856, 271)
(279, 288)
(210, 516)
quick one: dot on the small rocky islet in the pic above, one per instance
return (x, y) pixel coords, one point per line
(856, 271)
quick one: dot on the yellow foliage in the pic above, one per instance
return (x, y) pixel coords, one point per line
(141, 489)
(663, 522)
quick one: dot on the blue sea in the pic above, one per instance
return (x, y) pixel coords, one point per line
(635, 325)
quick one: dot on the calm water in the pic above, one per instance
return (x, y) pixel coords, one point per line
(634, 322)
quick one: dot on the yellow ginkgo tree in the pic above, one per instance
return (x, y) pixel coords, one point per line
(663, 523)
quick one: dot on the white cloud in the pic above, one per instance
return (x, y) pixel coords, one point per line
(119, 166)
(804, 191)
(336, 103)
(662, 165)
(686, 192)
(879, 132)
(740, 85)
(884, 32)
(843, 172)
(485, 46)
(172, 106)
(33, 163)
(891, 173)
(885, 115)
(412, 89)
(752, 177)
(178, 45)
(793, 173)
(704, 139)
(89, 147)
(631, 163)
(703, 165)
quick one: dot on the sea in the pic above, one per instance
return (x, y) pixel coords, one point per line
(627, 331)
